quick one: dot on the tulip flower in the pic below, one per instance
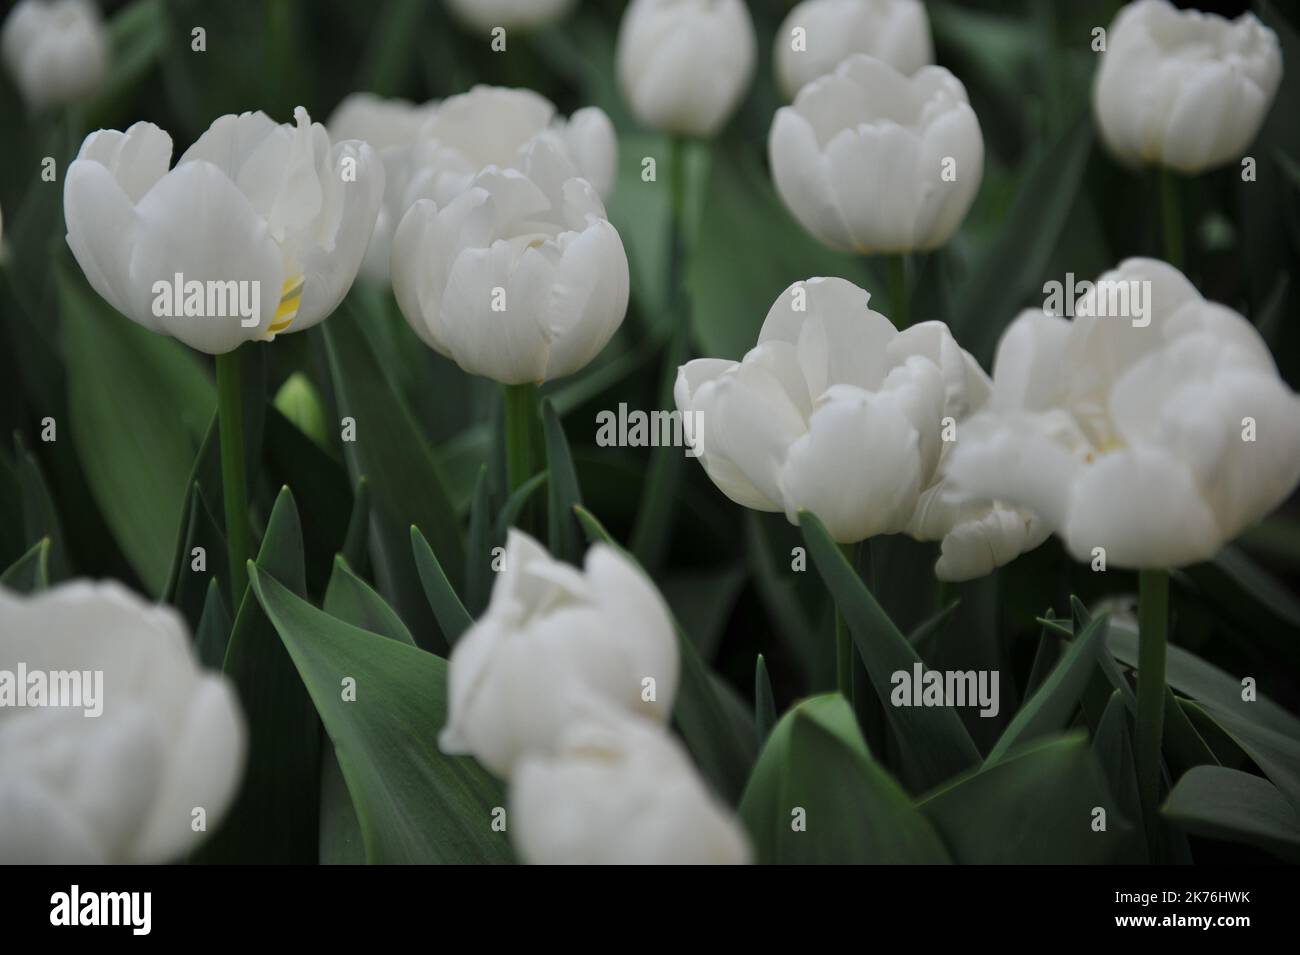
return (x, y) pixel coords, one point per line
(620, 793)
(511, 14)
(683, 65)
(56, 50)
(434, 151)
(556, 645)
(141, 744)
(895, 31)
(1184, 89)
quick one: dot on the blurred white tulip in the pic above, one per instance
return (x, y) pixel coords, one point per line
(1157, 443)
(896, 31)
(557, 644)
(838, 413)
(684, 65)
(250, 206)
(870, 160)
(520, 277)
(56, 50)
(511, 14)
(1184, 89)
(620, 793)
(123, 786)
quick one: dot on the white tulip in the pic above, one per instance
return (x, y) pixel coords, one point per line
(511, 14)
(253, 212)
(1184, 89)
(56, 50)
(622, 793)
(683, 65)
(1157, 443)
(383, 123)
(838, 413)
(557, 644)
(896, 31)
(870, 160)
(122, 786)
(520, 277)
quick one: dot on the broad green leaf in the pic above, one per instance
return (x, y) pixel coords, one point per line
(563, 535)
(352, 599)
(935, 744)
(1278, 755)
(817, 795)
(414, 804)
(450, 613)
(1219, 803)
(30, 572)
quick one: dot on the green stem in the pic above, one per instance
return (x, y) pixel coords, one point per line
(844, 643)
(521, 410)
(1171, 217)
(898, 303)
(1153, 623)
(234, 491)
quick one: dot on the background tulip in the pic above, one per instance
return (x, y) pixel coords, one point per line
(250, 201)
(620, 793)
(895, 31)
(120, 787)
(56, 50)
(1158, 444)
(683, 65)
(523, 14)
(1184, 89)
(870, 160)
(557, 644)
(520, 278)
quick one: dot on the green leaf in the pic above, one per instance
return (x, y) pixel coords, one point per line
(31, 572)
(702, 599)
(212, 636)
(189, 592)
(350, 598)
(478, 567)
(935, 744)
(1034, 807)
(414, 804)
(40, 517)
(453, 619)
(1113, 744)
(764, 700)
(931, 627)
(356, 549)
(562, 491)
(515, 504)
(853, 810)
(1226, 804)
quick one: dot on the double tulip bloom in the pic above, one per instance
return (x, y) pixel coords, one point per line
(121, 786)
(1157, 443)
(251, 201)
(1184, 89)
(56, 50)
(838, 413)
(870, 160)
(565, 687)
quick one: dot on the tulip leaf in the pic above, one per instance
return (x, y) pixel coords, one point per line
(30, 573)
(1113, 744)
(40, 517)
(563, 493)
(407, 487)
(413, 803)
(355, 550)
(515, 504)
(212, 636)
(1034, 807)
(764, 700)
(1219, 803)
(188, 593)
(274, 817)
(931, 627)
(450, 613)
(350, 598)
(935, 744)
(477, 562)
(817, 795)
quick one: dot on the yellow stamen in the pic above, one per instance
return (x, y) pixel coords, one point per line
(290, 300)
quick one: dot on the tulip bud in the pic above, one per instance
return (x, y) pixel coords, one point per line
(520, 277)
(129, 740)
(683, 65)
(511, 14)
(557, 644)
(620, 793)
(1184, 89)
(870, 160)
(259, 229)
(56, 50)
(818, 35)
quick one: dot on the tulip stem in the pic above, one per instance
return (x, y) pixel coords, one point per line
(1171, 214)
(898, 302)
(844, 642)
(234, 492)
(521, 412)
(1153, 622)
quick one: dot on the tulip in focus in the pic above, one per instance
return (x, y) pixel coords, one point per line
(1184, 89)
(253, 211)
(1157, 443)
(511, 14)
(557, 645)
(869, 160)
(838, 413)
(56, 50)
(622, 793)
(519, 278)
(683, 65)
(121, 786)
(895, 31)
